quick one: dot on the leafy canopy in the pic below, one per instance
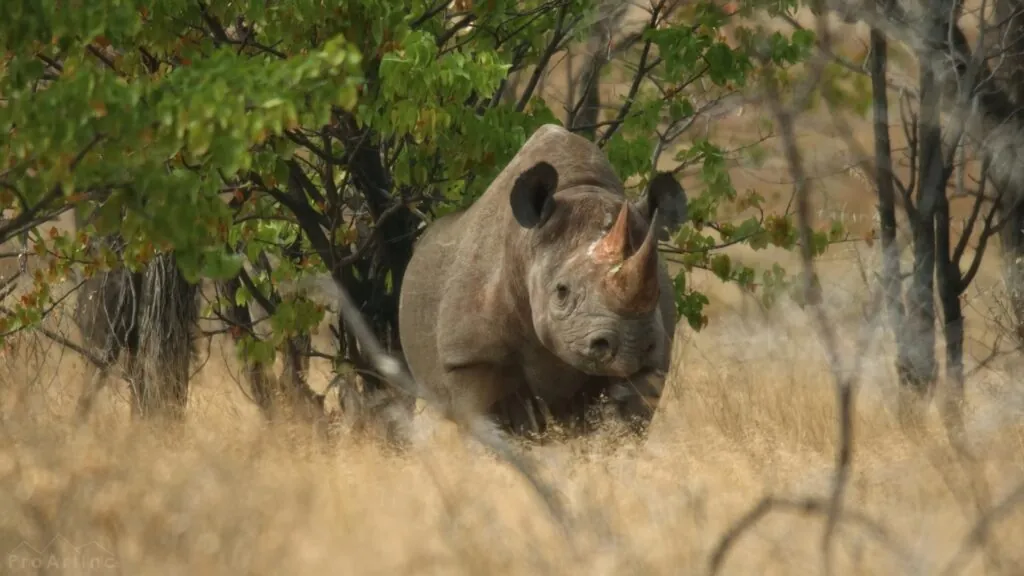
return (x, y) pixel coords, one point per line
(271, 140)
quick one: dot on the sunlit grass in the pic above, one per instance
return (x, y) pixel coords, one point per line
(750, 412)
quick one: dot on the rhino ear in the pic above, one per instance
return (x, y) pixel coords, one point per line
(667, 196)
(533, 195)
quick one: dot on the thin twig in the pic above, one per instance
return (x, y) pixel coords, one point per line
(979, 533)
(844, 381)
(804, 507)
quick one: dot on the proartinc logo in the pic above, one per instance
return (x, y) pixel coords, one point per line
(61, 556)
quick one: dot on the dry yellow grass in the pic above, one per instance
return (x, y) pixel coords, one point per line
(750, 412)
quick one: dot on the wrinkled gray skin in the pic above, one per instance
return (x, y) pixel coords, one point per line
(511, 298)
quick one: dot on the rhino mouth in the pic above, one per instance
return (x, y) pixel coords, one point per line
(636, 374)
(641, 380)
(622, 391)
(639, 387)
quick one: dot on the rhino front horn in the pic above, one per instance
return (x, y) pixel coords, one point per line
(612, 248)
(639, 274)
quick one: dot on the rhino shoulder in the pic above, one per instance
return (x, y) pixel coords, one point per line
(475, 316)
(441, 230)
(549, 130)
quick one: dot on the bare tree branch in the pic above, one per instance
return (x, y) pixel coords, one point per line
(803, 507)
(980, 532)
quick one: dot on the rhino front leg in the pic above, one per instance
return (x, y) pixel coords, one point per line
(525, 414)
(474, 390)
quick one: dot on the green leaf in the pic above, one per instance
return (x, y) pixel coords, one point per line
(219, 265)
(242, 296)
(721, 266)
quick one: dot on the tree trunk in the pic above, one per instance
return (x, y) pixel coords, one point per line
(240, 318)
(106, 314)
(891, 284)
(395, 235)
(950, 282)
(922, 366)
(168, 318)
(996, 120)
(586, 112)
(922, 372)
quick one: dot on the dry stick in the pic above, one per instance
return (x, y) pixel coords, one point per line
(477, 427)
(812, 505)
(979, 534)
(844, 130)
(844, 456)
(844, 382)
(804, 507)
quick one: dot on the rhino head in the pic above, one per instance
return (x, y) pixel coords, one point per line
(592, 272)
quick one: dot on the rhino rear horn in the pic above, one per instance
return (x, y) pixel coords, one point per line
(666, 196)
(533, 195)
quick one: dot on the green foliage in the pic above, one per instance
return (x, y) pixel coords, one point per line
(277, 138)
(844, 88)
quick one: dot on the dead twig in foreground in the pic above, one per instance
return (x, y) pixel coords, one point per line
(844, 381)
(979, 534)
(803, 507)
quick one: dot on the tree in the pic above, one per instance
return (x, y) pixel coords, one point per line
(149, 315)
(265, 143)
(956, 78)
(1009, 28)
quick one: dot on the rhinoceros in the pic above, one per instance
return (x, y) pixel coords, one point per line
(548, 287)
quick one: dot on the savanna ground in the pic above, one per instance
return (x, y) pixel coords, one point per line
(750, 412)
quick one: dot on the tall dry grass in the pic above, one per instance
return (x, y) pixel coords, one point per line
(750, 412)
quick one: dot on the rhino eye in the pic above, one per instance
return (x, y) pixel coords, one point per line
(562, 291)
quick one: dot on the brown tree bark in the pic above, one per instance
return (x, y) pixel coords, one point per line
(148, 317)
(585, 91)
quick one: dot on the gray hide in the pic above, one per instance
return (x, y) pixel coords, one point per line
(546, 287)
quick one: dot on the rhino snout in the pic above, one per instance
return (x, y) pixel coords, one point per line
(609, 349)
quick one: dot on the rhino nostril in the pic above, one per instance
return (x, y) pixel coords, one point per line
(604, 345)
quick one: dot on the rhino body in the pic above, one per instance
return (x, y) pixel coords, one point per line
(548, 288)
